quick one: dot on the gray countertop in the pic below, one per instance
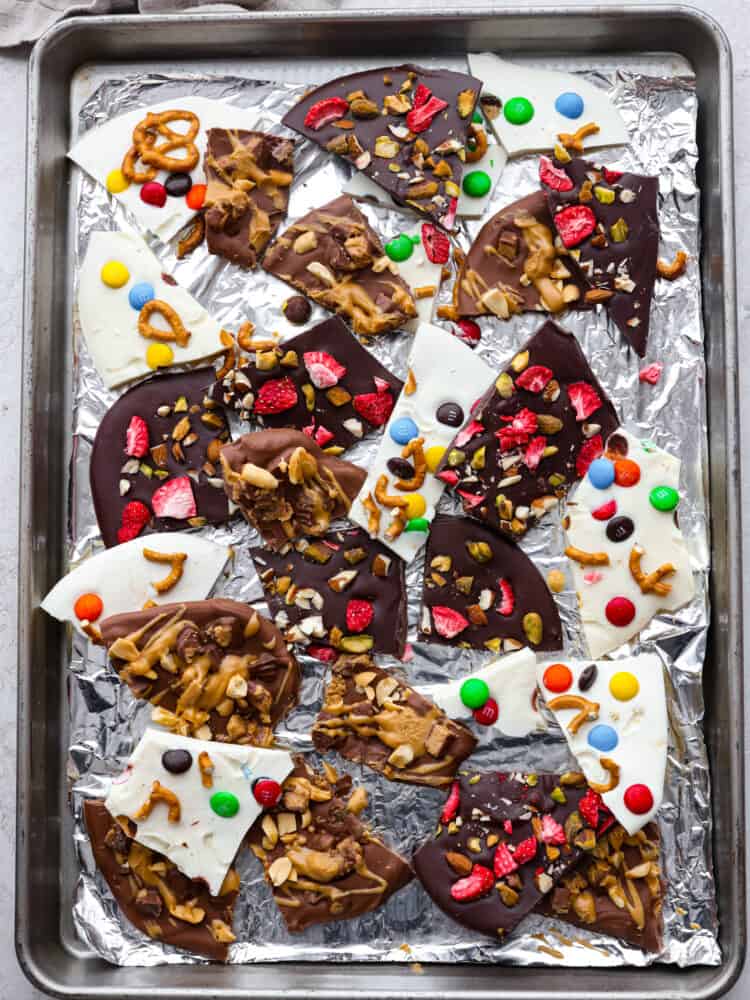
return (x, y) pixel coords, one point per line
(12, 150)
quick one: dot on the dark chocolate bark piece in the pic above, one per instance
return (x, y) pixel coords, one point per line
(618, 891)
(285, 485)
(482, 591)
(341, 592)
(533, 433)
(513, 266)
(335, 257)
(504, 841)
(248, 176)
(405, 127)
(609, 220)
(333, 382)
(158, 902)
(157, 447)
(214, 669)
(372, 716)
(329, 864)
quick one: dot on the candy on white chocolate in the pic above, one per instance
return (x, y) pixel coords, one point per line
(122, 578)
(109, 310)
(536, 105)
(445, 381)
(627, 553)
(614, 716)
(194, 800)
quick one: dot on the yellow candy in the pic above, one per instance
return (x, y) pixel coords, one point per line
(416, 506)
(115, 274)
(117, 182)
(624, 685)
(433, 456)
(159, 356)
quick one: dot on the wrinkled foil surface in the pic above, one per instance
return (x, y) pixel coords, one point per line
(106, 721)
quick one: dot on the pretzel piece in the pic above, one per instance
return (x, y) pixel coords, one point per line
(480, 144)
(575, 139)
(649, 582)
(193, 238)
(613, 769)
(386, 499)
(587, 558)
(587, 710)
(177, 562)
(177, 331)
(161, 794)
(373, 511)
(413, 449)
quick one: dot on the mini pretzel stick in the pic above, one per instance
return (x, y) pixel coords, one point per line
(650, 582)
(587, 558)
(229, 355)
(614, 776)
(674, 268)
(396, 526)
(193, 239)
(161, 794)
(425, 291)
(385, 499)
(177, 333)
(175, 559)
(245, 336)
(373, 520)
(206, 766)
(413, 448)
(447, 312)
(480, 148)
(588, 710)
(93, 632)
(574, 140)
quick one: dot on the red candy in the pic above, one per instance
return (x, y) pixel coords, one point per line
(638, 799)
(326, 111)
(468, 331)
(574, 224)
(503, 862)
(448, 623)
(590, 450)
(136, 437)
(451, 804)
(436, 245)
(473, 886)
(196, 196)
(154, 193)
(88, 607)
(557, 678)
(535, 378)
(584, 398)
(607, 510)
(135, 517)
(359, 614)
(507, 598)
(487, 714)
(375, 407)
(267, 792)
(174, 499)
(554, 177)
(620, 611)
(276, 396)
(420, 118)
(627, 472)
(525, 850)
(533, 454)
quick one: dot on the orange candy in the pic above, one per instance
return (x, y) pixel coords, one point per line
(88, 607)
(196, 196)
(627, 472)
(558, 678)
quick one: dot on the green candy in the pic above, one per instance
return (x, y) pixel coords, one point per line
(664, 498)
(518, 110)
(477, 118)
(400, 248)
(477, 184)
(474, 692)
(417, 524)
(225, 804)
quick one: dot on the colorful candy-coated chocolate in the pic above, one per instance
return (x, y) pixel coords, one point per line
(627, 472)
(403, 430)
(433, 456)
(619, 529)
(196, 196)
(159, 355)
(267, 792)
(177, 185)
(488, 714)
(558, 678)
(602, 738)
(569, 104)
(605, 511)
(450, 414)
(400, 248)
(601, 473)
(154, 193)
(623, 685)
(664, 498)
(114, 274)
(88, 607)
(117, 182)
(141, 293)
(225, 804)
(518, 110)
(177, 761)
(638, 799)
(474, 692)
(620, 611)
(477, 118)
(416, 506)
(418, 524)
(477, 183)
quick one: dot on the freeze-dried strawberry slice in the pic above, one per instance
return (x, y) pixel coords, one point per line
(535, 378)
(507, 598)
(590, 450)
(479, 882)
(322, 436)
(419, 119)
(470, 430)
(276, 395)
(525, 850)
(503, 863)
(589, 807)
(449, 218)
(136, 437)
(375, 407)
(574, 224)
(448, 623)
(174, 499)
(612, 176)
(522, 426)
(436, 245)
(135, 517)
(508, 826)
(326, 111)
(421, 96)
(326, 654)
(451, 804)
(651, 373)
(605, 511)
(471, 500)
(534, 451)
(359, 614)
(584, 398)
(323, 369)
(380, 384)
(554, 177)
(468, 331)
(448, 476)
(552, 831)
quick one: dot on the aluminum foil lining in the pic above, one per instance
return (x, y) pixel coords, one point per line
(106, 721)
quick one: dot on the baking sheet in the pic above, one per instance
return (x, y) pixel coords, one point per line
(106, 722)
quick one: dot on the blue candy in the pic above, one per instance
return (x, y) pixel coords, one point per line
(569, 104)
(603, 738)
(140, 294)
(601, 473)
(403, 430)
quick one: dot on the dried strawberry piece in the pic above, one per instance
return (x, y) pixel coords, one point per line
(449, 218)
(322, 436)
(611, 176)
(508, 826)
(503, 863)
(477, 884)
(276, 395)
(554, 177)
(448, 476)
(448, 623)
(323, 653)
(507, 598)
(174, 499)
(359, 614)
(534, 451)
(380, 384)
(552, 831)
(522, 426)
(436, 245)
(451, 804)
(535, 378)
(375, 407)
(419, 119)
(330, 109)
(323, 369)
(136, 437)
(651, 373)
(604, 511)
(421, 96)
(135, 517)
(589, 807)
(471, 500)
(574, 224)
(468, 331)
(591, 449)
(525, 850)
(584, 398)
(470, 430)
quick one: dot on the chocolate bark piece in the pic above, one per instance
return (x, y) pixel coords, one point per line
(322, 399)
(503, 842)
(177, 432)
(371, 716)
(335, 257)
(248, 176)
(513, 266)
(405, 127)
(532, 434)
(163, 903)
(340, 592)
(482, 591)
(617, 891)
(214, 669)
(617, 259)
(285, 485)
(329, 865)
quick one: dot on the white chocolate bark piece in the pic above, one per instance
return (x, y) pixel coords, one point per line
(421, 275)
(449, 377)
(546, 90)
(613, 525)
(101, 150)
(512, 684)
(110, 323)
(614, 716)
(123, 578)
(201, 842)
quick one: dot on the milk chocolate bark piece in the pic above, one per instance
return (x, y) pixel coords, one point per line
(285, 485)
(482, 591)
(248, 177)
(161, 901)
(617, 891)
(341, 592)
(157, 448)
(371, 716)
(322, 861)
(335, 257)
(533, 433)
(609, 220)
(504, 841)
(214, 669)
(513, 266)
(334, 389)
(405, 127)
